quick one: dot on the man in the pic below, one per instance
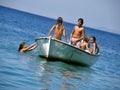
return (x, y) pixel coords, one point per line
(77, 34)
(59, 29)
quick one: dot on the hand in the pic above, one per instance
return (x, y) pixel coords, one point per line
(74, 42)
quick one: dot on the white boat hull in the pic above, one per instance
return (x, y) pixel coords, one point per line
(57, 50)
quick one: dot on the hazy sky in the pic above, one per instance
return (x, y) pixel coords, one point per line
(98, 14)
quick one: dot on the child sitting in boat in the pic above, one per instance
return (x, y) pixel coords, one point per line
(85, 45)
(24, 48)
(95, 48)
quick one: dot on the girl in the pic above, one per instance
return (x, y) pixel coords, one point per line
(24, 48)
(95, 48)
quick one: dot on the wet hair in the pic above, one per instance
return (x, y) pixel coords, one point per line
(94, 38)
(21, 46)
(86, 39)
(80, 19)
(59, 20)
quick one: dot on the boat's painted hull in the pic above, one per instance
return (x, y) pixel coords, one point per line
(56, 49)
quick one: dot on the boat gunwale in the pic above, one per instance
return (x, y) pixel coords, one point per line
(66, 44)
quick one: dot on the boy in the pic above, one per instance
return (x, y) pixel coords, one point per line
(78, 33)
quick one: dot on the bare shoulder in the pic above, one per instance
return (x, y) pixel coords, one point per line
(54, 25)
(63, 26)
(82, 29)
(76, 26)
(95, 44)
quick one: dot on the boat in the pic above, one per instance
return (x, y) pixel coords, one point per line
(54, 49)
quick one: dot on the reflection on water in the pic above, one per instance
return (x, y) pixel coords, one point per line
(60, 75)
(76, 74)
(54, 74)
(81, 73)
(41, 68)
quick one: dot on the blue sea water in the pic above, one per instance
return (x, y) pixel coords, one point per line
(21, 71)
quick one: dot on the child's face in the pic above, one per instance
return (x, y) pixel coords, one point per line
(79, 22)
(92, 40)
(24, 46)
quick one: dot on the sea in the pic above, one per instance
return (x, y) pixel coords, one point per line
(28, 71)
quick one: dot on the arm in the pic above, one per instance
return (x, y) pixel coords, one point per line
(53, 27)
(64, 33)
(87, 46)
(83, 34)
(31, 47)
(71, 35)
(94, 47)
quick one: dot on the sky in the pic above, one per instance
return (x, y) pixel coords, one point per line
(98, 14)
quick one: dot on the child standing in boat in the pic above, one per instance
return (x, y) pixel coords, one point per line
(77, 34)
(59, 29)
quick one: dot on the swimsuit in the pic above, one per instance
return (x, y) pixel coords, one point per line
(77, 43)
(96, 51)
